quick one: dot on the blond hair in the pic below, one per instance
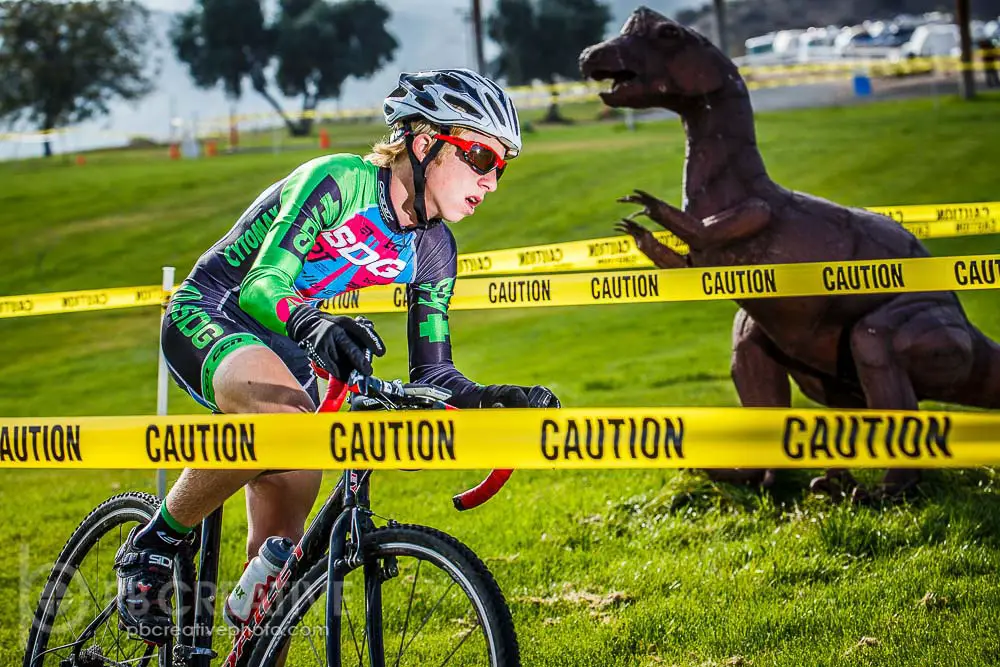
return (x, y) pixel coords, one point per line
(386, 153)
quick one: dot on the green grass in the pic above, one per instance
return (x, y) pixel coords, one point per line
(683, 572)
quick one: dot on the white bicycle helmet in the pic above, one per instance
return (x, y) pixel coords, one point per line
(456, 97)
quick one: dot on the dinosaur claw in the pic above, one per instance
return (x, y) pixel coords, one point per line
(629, 227)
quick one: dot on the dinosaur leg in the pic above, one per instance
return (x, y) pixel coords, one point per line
(835, 482)
(761, 382)
(887, 345)
(738, 222)
(982, 388)
(662, 256)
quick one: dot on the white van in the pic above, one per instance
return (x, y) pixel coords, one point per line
(817, 45)
(932, 39)
(774, 48)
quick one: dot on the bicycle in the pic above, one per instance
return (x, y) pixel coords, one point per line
(340, 540)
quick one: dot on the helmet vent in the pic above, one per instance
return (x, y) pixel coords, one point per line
(426, 103)
(462, 105)
(451, 81)
(420, 82)
(496, 110)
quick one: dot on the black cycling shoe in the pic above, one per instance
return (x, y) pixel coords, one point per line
(145, 586)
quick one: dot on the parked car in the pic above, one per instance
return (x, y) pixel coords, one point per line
(817, 45)
(932, 39)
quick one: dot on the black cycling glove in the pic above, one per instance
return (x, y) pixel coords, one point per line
(541, 397)
(514, 396)
(503, 396)
(336, 343)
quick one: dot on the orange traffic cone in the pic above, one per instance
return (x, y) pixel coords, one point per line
(324, 138)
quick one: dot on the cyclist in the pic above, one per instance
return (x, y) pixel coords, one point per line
(241, 330)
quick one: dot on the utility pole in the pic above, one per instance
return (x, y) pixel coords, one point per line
(968, 77)
(477, 29)
(720, 25)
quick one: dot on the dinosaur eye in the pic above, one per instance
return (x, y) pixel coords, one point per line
(668, 31)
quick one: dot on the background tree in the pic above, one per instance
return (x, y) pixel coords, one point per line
(225, 41)
(513, 27)
(320, 45)
(542, 40)
(316, 44)
(222, 41)
(62, 63)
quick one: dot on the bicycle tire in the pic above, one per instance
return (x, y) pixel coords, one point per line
(438, 547)
(116, 510)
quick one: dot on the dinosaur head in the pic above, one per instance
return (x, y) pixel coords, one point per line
(657, 62)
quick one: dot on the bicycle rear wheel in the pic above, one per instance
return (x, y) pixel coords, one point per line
(439, 605)
(76, 623)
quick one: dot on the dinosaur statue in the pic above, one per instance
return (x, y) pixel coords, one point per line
(884, 352)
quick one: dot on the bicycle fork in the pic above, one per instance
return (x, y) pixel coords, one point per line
(346, 555)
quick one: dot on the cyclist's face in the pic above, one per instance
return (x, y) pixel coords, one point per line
(454, 189)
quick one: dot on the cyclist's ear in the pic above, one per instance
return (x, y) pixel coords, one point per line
(422, 145)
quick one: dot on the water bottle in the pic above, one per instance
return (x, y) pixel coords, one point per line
(259, 574)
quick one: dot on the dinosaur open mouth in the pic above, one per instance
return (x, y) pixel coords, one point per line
(619, 78)
(620, 82)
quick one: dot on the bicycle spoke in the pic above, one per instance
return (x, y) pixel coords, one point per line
(364, 635)
(107, 630)
(75, 631)
(117, 637)
(459, 645)
(90, 590)
(409, 607)
(312, 645)
(431, 613)
(97, 565)
(350, 625)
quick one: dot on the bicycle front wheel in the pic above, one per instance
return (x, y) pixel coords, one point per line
(428, 596)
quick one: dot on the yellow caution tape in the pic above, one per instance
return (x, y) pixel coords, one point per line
(523, 438)
(618, 252)
(613, 252)
(81, 300)
(931, 274)
(926, 274)
(870, 65)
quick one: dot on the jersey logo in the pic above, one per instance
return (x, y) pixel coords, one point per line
(320, 210)
(341, 242)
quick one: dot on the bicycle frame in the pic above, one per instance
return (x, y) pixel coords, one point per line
(345, 512)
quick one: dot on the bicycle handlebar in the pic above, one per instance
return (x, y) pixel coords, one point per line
(482, 492)
(373, 387)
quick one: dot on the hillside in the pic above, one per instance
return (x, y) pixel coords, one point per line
(619, 568)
